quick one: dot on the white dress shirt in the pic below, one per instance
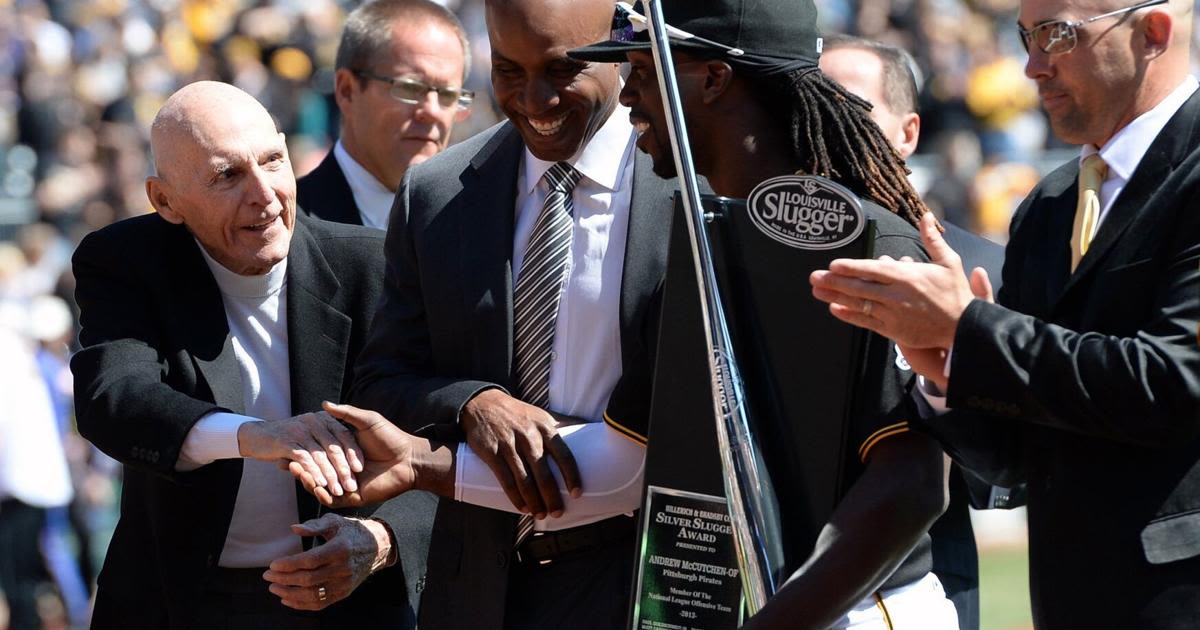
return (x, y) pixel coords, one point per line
(373, 199)
(255, 308)
(586, 360)
(1124, 151)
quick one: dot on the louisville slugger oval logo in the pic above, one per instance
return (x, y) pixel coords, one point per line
(806, 212)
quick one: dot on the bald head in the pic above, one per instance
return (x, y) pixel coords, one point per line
(223, 173)
(197, 113)
(880, 74)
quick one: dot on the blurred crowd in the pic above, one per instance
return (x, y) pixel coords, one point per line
(80, 82)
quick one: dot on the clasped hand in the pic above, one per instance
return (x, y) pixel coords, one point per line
(392, 462)
(315, 442)
(517, 441)
(314, 579)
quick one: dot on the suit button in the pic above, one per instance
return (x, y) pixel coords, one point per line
(501, 558)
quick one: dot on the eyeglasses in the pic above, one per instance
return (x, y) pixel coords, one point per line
(1059, 36)
(412, 91)
(627, 23)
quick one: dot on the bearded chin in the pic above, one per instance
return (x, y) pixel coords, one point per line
(664, 167)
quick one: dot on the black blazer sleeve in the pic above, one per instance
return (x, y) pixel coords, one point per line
(1138, 381)
(122, 403)
(395, 372)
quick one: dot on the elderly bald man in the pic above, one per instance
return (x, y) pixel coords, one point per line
(210, 331)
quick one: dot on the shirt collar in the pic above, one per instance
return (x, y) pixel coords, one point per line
(595, 161)
(239, 286)
(358, 177)
(373, 199)
(1125, 150)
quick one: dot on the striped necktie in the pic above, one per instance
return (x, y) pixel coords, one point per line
(536, 297)
(1087, 210)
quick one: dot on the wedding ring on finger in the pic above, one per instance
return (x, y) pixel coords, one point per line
(866, 307)
(321, 594)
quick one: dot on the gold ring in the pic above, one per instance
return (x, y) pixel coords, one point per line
(866, 309)
(321, 594)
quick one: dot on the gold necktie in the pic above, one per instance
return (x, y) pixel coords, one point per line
(1087, 211)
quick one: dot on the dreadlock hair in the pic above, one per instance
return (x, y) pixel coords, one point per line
(833, 136)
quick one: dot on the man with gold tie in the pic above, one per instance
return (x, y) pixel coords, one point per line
(1084, 379)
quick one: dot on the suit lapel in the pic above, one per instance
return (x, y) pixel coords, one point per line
(646, 242)
(329, 194)
(196, 304)
(197, 307)
(1167, 150)
(318, 333)
(318, 338)
(1052, 261)
(485, 212)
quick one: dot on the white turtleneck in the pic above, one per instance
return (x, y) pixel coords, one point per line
(255, 308)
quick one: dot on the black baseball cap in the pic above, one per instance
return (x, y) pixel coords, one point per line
(760, 34)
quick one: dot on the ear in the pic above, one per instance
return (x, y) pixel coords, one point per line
(462, 114)
(910, 134)
(1158, 28)
(345, 88)
(157, 192)
(717, 79)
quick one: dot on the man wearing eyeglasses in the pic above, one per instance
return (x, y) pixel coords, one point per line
(1084, 379)
(398, 85)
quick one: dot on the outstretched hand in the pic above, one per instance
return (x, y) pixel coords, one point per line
(917, 305)
(313, 442)
(388, 455)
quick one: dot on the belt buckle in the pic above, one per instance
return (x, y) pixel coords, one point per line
(533, 539)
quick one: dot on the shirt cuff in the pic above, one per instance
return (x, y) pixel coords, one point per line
(462, 451)
(213, 437)
(934, 397)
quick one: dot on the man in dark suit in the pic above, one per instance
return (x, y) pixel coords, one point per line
(452, 352)
(1084, 378)
(882, 75)
(209, 329)
(398, 83)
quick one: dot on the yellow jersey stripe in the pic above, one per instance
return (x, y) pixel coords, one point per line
(623, 430)
(887, 617)
(876, 437)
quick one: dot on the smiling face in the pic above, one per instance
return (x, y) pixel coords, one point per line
(1088, 93)
(641, 95)
(223, 172)
(556, 103)
(385, 135)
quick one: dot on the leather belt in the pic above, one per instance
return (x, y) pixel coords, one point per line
(545, 547)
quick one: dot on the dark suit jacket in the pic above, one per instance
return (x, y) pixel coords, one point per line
(157, 356)
(324, 193)
(1087, 385)
(444, 332)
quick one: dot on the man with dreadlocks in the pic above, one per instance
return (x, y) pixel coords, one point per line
(761, 110)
